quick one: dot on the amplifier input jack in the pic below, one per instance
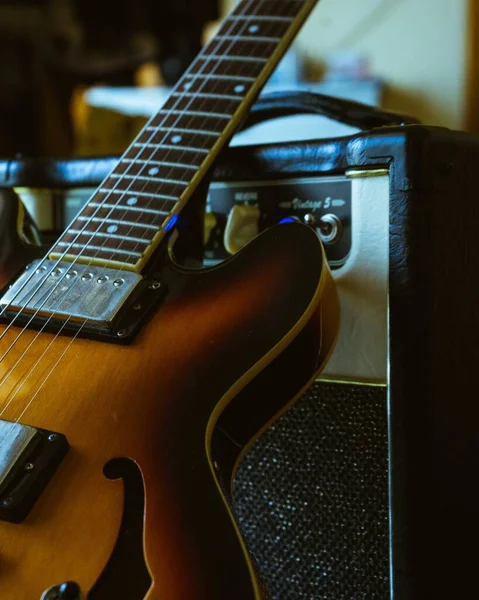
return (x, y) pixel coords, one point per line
(329, 228)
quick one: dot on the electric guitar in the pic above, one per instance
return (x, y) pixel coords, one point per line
(130, 385)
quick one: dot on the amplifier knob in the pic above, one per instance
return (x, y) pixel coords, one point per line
(329, 228)
(241, 227)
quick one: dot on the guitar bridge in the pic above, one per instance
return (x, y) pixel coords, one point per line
(28, 459)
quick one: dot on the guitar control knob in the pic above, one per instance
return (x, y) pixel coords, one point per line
(70, 591)
(329, 228)
(64, 591)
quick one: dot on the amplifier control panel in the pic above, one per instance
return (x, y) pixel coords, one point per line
(238, 211)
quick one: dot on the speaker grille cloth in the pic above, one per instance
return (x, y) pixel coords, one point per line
(310, 497)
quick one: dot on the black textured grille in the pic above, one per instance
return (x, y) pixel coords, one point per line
(310, 497)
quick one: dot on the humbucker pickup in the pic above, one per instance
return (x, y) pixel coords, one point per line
(83, 298)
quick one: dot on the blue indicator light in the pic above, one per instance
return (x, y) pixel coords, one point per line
(286, 220)
(171, 223)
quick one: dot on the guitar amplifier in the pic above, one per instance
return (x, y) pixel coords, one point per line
(311, 495)
(365, 487)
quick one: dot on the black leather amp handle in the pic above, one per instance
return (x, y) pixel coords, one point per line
(356, 114)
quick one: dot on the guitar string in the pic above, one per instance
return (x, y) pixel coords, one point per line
(47, 377)
(78, 332)
(160, 125)
(118, 271)
(208, 59)
(84, 227)
(51, 370)
(98, 209)
(122, 195)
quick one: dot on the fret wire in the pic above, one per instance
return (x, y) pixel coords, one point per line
(248, 38)
(243, 49)
(162, 163)
(175, 147)
(151, 211)
(132, 192)
(117, 222)
(151, 179)
(183, 130)
(100, 249)
(237, 98)
(242, 78)
(277, 18)
(194, 113)
(236, 58)
(114, 236)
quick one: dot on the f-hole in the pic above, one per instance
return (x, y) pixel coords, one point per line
(126, 574)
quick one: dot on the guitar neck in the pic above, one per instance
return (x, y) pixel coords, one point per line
(139, 202)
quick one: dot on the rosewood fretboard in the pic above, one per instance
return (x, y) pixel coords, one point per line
(129, 214)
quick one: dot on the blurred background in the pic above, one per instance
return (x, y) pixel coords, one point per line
(80, 77)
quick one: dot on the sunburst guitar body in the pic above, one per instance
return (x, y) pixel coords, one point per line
(131, 386)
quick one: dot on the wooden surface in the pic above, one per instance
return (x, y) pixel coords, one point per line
(156, 402)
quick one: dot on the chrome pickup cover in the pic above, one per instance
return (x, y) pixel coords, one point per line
(15, 440)
(75, 292)
(29, 456)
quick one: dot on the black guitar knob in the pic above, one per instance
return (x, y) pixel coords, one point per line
(70, 591)
(65, 591)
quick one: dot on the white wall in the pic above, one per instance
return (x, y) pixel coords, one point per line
(418, 47)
